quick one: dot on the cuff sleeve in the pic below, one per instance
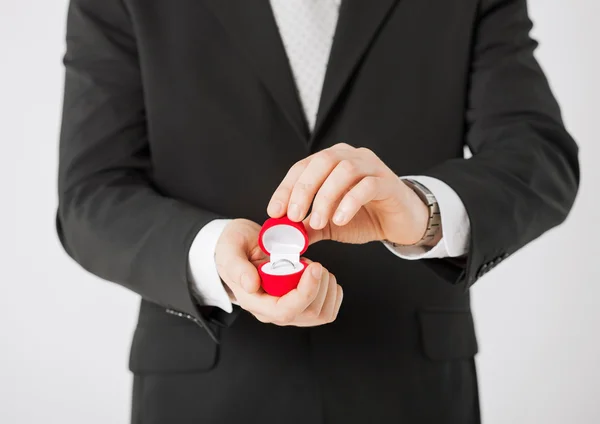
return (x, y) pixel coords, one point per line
(455, 225)
(205, 280)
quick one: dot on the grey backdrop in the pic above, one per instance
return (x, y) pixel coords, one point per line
(64, 335)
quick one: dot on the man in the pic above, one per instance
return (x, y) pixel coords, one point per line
(186, 123)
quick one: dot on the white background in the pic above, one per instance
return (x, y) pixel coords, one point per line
(64, 335)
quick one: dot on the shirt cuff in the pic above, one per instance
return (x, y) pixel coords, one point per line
(456, 226)
(205, 279)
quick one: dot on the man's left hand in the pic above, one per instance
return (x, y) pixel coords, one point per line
(355, 198)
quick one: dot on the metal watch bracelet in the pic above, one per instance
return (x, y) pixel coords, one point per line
(434, 222)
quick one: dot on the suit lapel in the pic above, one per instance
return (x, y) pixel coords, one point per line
(252, 27)
(358, 24)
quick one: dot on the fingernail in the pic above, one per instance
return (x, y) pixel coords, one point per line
(339, 217)
(316, 221)
(317, 271)
(276, 208)
(294, 212)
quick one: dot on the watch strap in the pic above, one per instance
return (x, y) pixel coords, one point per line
(434, 221)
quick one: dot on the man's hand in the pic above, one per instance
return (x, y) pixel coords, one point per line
(355, 198)
(316, 301)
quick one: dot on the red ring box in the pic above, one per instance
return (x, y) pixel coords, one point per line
(281, 238)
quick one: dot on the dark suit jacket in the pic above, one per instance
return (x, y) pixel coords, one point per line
(180, 112)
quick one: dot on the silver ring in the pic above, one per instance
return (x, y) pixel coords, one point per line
(287, 261)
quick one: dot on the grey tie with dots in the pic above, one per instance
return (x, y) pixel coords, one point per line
(307, 28)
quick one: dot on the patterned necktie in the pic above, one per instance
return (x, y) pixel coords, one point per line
(307, 28)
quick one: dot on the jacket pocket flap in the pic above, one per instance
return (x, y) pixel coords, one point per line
(172, 349)
(448, 334)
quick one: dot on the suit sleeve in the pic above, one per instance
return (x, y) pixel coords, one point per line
(112, 219)
(524, 174)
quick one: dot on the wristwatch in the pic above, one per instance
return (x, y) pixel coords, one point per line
(434, 223)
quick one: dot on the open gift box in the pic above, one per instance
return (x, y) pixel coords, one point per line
(284, 241)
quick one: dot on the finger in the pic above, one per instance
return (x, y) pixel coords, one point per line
(262, 318)
(315, 236)
(367, 190)
(330, 302)
(338, 302)
(333, 232)
(261, 303)
(342, 146)
(281, 197)
(309, 182)
(341, 180)
(295, 302)
(313, 311)
(311, 316)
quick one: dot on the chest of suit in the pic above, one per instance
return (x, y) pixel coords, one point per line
(225, 122)
(219, 89)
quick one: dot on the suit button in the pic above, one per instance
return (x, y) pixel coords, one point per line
(482, 270)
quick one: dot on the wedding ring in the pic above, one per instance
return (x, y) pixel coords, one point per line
(278, 263)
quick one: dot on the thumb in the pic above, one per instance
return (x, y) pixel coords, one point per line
(250, 281)
(239, 270)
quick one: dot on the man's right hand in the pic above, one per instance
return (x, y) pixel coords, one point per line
(316, 300)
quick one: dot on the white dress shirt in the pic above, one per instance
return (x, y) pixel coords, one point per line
(307, 28)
